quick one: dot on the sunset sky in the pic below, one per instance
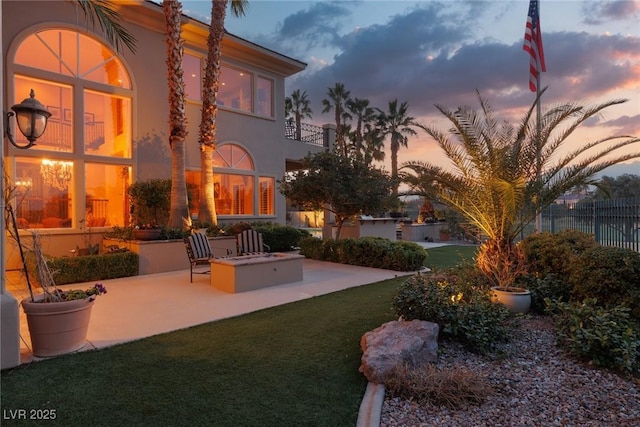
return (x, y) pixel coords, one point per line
(440, 52)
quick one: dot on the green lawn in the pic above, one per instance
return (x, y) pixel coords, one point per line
(449, 256)
(292, 365)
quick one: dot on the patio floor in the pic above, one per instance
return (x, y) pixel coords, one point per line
(142, 306)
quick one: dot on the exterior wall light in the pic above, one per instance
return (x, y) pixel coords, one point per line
(32, 119)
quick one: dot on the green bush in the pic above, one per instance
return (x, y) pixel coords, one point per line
(543, 288)
(280, 238)
(611, 275)
(366, 252)
(606, 337)
(555, 253)
(463, 309)
(151, 201)
(88, 268)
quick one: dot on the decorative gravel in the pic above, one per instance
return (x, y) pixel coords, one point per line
(534, 384)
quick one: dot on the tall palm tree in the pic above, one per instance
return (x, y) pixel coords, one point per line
(366, 140)
(396, 124)
(300, 106)
(104, 11)
(207, 139)
(495, 182)
(179, 210)
(336, 101)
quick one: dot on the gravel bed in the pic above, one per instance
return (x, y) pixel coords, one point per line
(535, 384)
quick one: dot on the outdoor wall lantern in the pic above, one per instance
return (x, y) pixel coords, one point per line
(32, 119)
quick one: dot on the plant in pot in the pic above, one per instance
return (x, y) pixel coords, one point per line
(502, 175)
(150, 206)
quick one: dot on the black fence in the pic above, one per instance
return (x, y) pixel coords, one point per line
(612, 222)
(307, 133)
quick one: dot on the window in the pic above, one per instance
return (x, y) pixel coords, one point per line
(88, 137)
(264, 106)
(235, 181)
(43, 193)
(235, 89)
(192, 66)
(106, 199)
(266, 196)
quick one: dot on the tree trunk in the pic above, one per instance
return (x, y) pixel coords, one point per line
(179, 210)
(395, 146)
(207, 212)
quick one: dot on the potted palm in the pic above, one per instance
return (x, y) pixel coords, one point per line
(503, 175)
(151, 203)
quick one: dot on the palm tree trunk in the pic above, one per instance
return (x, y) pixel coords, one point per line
(207, 211)
(394, 164)
(179, 210)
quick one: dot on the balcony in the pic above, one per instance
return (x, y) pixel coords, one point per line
(309, 134)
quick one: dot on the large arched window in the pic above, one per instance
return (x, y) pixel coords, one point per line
(235, 183)
(78, 172)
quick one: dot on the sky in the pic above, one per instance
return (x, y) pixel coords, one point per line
(440, 52)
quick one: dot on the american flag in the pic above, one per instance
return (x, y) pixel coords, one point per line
(533, 45)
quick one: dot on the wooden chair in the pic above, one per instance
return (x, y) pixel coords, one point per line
(250, 242)
(199, 251)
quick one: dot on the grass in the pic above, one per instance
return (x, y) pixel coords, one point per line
(292, 365)
(449, 256)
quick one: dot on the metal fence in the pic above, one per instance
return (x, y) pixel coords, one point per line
(612, 222)
(307, 133)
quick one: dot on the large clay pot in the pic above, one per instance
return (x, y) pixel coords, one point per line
(57, 327)
(517, 300)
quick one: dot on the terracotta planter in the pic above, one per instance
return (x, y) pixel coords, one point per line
(151, 234)
(517, 300)
(57, 327)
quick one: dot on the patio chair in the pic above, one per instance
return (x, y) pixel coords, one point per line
(199, 251)
(250, 243)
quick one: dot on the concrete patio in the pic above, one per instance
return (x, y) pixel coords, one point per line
(142, 306)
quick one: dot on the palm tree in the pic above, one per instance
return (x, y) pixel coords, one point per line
(207, 139)
(179, 211)
(397, 125)
(366, 137)
(107, 16)
(338, 97)
(300, 106)
(503, 174)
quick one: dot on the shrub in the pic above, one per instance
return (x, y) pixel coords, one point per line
(367, 252)
(554, 253)
(611, 275)
(449, 387)
(88, 268)
(151, 201)
(281, 238)
(461, 308)
(543, 288)
(606, 337)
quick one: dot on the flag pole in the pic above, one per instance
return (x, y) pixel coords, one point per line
(538, 146)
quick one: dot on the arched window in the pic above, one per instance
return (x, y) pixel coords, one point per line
(87, 144)
(235, 182)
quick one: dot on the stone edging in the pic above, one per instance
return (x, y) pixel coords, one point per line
(371, 406)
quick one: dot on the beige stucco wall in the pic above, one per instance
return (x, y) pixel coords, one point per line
(262, 137)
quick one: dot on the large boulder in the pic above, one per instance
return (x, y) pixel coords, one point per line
(398, 342)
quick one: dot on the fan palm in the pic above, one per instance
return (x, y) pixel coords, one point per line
(336, 101)
(300, 106)
(503, 174)
(396, 124)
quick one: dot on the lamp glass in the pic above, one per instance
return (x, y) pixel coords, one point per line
(31, 123)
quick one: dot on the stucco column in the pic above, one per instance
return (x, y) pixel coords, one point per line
(9, 311)
(329, 135)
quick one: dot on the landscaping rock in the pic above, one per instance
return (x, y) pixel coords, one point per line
(414, 342)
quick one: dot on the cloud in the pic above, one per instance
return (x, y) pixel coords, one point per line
(597, 13)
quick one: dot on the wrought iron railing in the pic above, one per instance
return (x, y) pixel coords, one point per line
(307, 133)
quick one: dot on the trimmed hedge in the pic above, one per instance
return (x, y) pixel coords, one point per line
(88, 268)
(374, 252)
(555, 253)
(281, 238)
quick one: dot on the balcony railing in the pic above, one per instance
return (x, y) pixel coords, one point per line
(309, 134)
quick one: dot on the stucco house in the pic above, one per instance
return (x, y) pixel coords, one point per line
(109, 119)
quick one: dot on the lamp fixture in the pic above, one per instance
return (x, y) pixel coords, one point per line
(56, 173)
(32, 118)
